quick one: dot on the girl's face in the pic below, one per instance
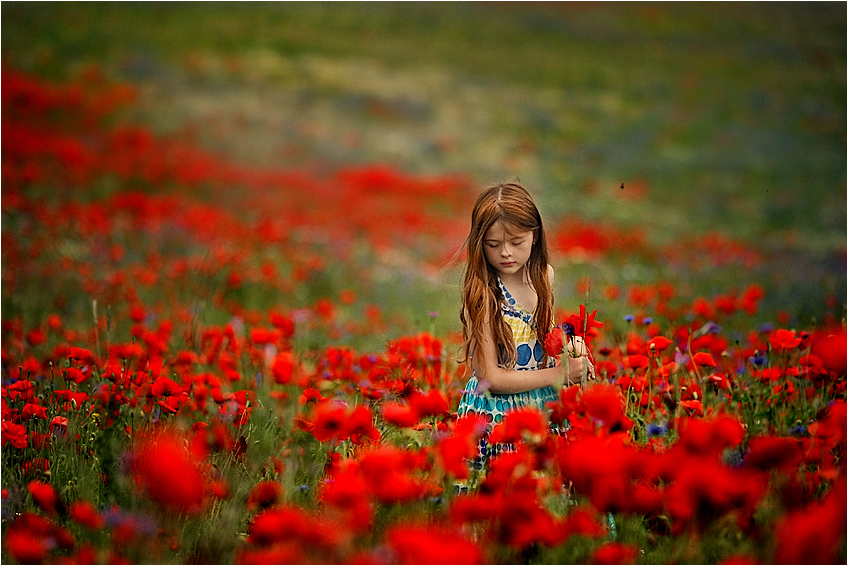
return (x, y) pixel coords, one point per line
(507, 250)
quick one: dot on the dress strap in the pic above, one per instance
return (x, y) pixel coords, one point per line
(511, 307)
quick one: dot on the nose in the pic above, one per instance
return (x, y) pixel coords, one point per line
(506, 251)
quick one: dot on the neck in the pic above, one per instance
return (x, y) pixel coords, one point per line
(520, 277)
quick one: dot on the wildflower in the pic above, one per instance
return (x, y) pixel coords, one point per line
(414, 543)
(360, 425)
(658, 343)
(831, 350)
(812, 535)
(655, 429)
(166, 471)
(14, 434)
(518, 424)
(84, 514)
(604, 402)
(330, 421)
(399, 414)
(263, 495)
(784, 339)
(771, 452)
(44, 496)
(431, 404)
(283, 367)
(615, 553)
(758, 359)
(554, 343)
(704, 359)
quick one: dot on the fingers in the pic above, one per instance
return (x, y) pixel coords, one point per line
(577, 346)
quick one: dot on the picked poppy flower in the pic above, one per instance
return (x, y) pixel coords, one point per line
(553, 342)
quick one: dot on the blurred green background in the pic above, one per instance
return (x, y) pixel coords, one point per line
(714, 116)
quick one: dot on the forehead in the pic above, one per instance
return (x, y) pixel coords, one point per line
(501, 231)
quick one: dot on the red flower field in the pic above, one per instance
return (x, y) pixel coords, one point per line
(197, 367)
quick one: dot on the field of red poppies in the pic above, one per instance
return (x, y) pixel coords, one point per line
(209, 358)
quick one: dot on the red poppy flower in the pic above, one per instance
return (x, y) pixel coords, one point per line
(399, 414)
(263, 495)
(659, 343)
(433, 403)
(553, 342)
(518, 423)
(704, 359)
(166, 471)
(831, 350)
(330, 421)
(615, 553)
(283, 367)
(84, 513)
(44, 496)
(604, 403)
(14, 434)
(783, 339)
(25, 547)
(637, 361)
(431, 544)
(771, 452)
(360, 425)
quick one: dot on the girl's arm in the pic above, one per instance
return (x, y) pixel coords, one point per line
(517, 381)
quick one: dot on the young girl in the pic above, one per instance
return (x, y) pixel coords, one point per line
(507, 309)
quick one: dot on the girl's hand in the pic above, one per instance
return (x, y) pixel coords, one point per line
(577, 362)
(576, 347)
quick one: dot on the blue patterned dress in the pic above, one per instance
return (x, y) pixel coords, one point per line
(529, 354)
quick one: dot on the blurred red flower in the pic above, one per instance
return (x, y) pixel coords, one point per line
(783, 339)
(431, 544)
(615, 553)
(165, 470)
(14, 434)
(84, 513)
(283, 367)
(263, 495)
(399, 414)
(44, 495)
(704, 359)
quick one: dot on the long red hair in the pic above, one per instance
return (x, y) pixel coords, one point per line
(511, 204)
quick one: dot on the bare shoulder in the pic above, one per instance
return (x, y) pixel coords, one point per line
(551, 275)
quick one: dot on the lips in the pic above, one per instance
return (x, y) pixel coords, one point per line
(508, 264)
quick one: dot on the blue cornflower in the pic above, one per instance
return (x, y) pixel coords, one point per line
(568, 328)
(758, 359)
(647, 320)
(629, 317)
(657, 429)
(798, 430)
(766, 327)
